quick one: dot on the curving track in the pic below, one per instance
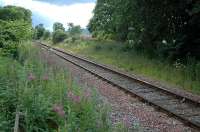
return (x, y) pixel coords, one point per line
(182, 107)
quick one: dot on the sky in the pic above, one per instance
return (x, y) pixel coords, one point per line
(47, 12)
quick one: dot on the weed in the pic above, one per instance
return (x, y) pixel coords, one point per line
(47, 96)
(121, 55)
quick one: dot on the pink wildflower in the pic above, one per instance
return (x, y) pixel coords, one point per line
(70, 94)
(31, 77)
(74, 98)
(45, 77)
(61, 113)
(87, 93)
(59, 110)
(77, 99)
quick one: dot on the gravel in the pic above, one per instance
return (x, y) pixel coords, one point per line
(124, 108)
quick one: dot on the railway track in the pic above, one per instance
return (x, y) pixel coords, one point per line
(182, 107)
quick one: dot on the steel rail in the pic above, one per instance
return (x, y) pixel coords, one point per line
(195, 123)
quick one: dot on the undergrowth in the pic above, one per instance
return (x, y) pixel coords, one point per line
(186, 76)
(47, 98)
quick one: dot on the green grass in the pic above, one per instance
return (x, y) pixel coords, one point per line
(119, 55)
(47, 97)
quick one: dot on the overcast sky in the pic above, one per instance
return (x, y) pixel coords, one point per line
(49, 11)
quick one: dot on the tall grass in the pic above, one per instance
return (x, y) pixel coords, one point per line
(186, 76)
(46, 97)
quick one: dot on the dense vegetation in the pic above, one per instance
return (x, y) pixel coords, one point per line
(33, 86)
(59, 33)
(156, 39)
(150, 32)
(168, 29)
(186, 76)
(15, 27)
(46, 96)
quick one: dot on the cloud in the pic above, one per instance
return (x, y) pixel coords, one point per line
(61, 2)
(78, 13)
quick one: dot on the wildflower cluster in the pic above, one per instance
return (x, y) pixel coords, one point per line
(31, 77)
(42, 103)
(57, 108)
(76, 98)
(73, 97)
(45, 77)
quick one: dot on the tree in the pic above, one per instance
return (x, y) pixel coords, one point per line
(176, 23)
(39, 31)
(74, 30)
(15, 26)
(12, 13)
(58, 33)
(58, 36)
(57, 26)
(46, 34)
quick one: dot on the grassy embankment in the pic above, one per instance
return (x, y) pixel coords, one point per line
(46, 97)
(117, 54)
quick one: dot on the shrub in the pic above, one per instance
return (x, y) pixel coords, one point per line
(46, 35)
(59, 36)
(15, 27)
(11, 34)
(39, 31)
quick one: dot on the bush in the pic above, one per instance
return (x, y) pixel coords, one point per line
(15, 27)
(11, 34)
(46, 35)
(149, 23)
(59, 36)
(39, 31)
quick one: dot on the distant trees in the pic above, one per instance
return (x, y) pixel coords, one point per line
(58, 36)
(167, 29)
(15, 26)
(39, 31)
(57, 26)
(59, 33)
(46, 35)
(74, 30)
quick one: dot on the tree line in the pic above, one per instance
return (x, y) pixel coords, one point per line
(167, 28)
(59, 33)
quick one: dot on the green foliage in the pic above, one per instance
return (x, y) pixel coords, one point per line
(12, 13)
(186, 76)
(59, 33)
(58, 26)
(46, 96)
(176, 23)
(46, 35)
(8, 98)
(39, 31)
(74, 30)
(15, 27)
(58, 36)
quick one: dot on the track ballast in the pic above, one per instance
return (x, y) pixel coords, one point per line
(183, 108)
